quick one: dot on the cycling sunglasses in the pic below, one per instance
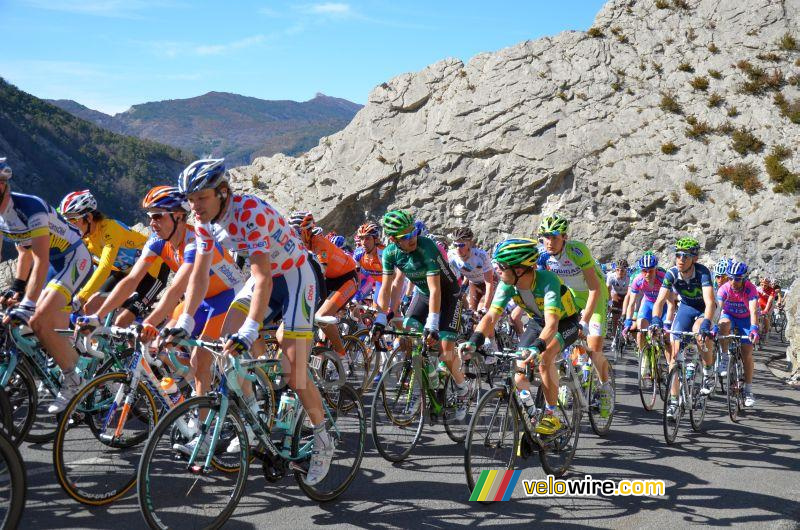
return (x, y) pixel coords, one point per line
(648, 269)
(156, 216)
(550, 234)
(459, 245)
(406, 237)
(685, 255)
(737, 278)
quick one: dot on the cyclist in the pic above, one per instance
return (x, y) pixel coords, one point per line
(368, 256)
(644, 291)
(692, 284)
(553, 324)
(739, 301)
(173, 243)
(281, 281)
(721, 273)
(474, 266)
(572, 261)
(53, 265)
(114, 248)
(766, 298)
(436, 301)
(617, 282)
(339, 268)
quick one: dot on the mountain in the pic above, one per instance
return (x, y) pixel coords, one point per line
(53, 153)
(223, 124)
(666, 118)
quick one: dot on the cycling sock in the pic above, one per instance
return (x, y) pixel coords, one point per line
(747, 387)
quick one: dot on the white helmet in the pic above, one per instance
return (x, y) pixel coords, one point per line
(78, 203)
(5, 169)
(201, 175)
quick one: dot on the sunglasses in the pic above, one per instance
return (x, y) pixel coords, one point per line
(550, 234)
(684, 255)
(406, 237)
(737, 278)
(648, 269)
(156, 216)
(459, 245)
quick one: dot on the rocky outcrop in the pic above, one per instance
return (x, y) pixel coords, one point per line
(793, 327)
(614, 127)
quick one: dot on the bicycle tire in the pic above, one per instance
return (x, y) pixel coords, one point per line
(735, 389)
(697, 411)
(12, 474)
(648, 384)
(494, 413)
(177, 488)
(601, 426)
(24, 399)
(400, 396)
(359, 366)
(671, 427)
(663, 373)
(6, 422)
(557, 451)
(457, 430)
(345, 433)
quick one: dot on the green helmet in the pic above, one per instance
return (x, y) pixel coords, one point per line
(687, 244)
(516, 252)
(553, 224)
(396, 222)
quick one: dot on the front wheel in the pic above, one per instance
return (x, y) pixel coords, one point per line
(697, 411)
(648, 379)
(557, 450)
(671, 424)
(599, 419)
(398, 411)
(174, 494)
(347, 428)
(13, 479)
(457, 430)
(493, 435)
(735, 393)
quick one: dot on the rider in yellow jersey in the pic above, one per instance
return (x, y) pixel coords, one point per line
(114, 248)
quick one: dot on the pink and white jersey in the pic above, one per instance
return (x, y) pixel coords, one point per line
(650, 292)
(251, 227)
(737, 303)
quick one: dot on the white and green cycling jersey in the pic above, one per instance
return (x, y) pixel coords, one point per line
(569, 265)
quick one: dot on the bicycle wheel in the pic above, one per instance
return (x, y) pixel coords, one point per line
(175, 495)
(346, 424)
(735, 396)
(648, 379)
(6, 422)
(698, 409)
(557, 450)
(457, 430)
(43, 428)
(24, 400)
(13, 483)
(671, 425)
(358, 367)
(96, 451)
(662, 374)
(397, 414)
(493, 436)
(600, 424)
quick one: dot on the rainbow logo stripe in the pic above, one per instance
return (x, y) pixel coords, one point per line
(495, 485)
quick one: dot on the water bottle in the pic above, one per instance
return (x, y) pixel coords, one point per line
(689, 370)
(528, 406)
(169, 386)
(286, 415)
(433, 375)
(82, 365)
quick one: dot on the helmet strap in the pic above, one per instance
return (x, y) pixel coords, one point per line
(223, 203)
(88, 225)
(174, 226)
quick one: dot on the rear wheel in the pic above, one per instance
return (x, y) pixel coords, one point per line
(397, 414)
(648, 379)
(671, 425)
(24, 400)
(735, 389)
(698, 409)
(601, 424)
(557, 450)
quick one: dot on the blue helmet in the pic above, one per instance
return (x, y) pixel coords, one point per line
(337, 240)
(420, 228)
(5, 169)
(647, 261)
(737, 269)
(202, 175)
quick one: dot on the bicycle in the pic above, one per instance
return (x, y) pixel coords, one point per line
(735, 379)
(618, 339)
(406, 395)
(687, 374)
(495, 438)
(653, 370)
(170, 485)
(33, 380)
(779, 322)
(589, 387)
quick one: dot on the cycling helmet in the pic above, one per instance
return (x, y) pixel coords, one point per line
(5, 169)
(317, 230)
(721, 268)
(553, 224)
(202, 175)
(687, 244)
(517, 252)
(737, 269)
(420, 227)
(647, 261)
(368, 229)
(78, 203)
(464, 232)
(302, 220)
(166, 198)
(337, 240)
(396, 222)
(622, 264)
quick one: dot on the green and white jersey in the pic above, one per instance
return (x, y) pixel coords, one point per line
(426, 260)
(569, 265)
(547, 295)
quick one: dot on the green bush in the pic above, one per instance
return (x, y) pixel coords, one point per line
(713, 48)
(669, 148)
(743, 176)
(746, 142)
(699, 83)
(680, 4)
(662, 4)
(785, 181)
(769, 56)
(733, 112)
(789, 109)
(695, 191)
(787, 42)
(669, 103)
(715, 99)
(698, 129)
(686, 67)
(733, 215)
(716, 74)
(691, 168)
(595, 33)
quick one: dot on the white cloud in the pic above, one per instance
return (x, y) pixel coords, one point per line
(331, 8)
(103, 8)
(218, 49)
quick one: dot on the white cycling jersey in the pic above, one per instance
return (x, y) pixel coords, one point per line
(474, 267)
(617, 285)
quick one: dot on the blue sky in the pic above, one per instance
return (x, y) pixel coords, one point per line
(111, 54)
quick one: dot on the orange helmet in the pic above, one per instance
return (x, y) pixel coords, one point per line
(166, 197)
(368, 229)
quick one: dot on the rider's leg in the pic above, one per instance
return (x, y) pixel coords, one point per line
(48, 317)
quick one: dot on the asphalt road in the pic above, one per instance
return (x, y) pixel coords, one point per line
(729, 474)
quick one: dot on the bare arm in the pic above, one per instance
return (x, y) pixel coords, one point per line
(488, 280)
(435, 298)
(40, 256)
(169, 300)
(124, 288)
(24, 262)
(260, 271)
(658, 306)
(711, 302)
(385, 293)
(198, 283)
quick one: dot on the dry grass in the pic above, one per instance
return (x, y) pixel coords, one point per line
(745, 142)
(695, 191)
(669, 148)
(743, 176)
